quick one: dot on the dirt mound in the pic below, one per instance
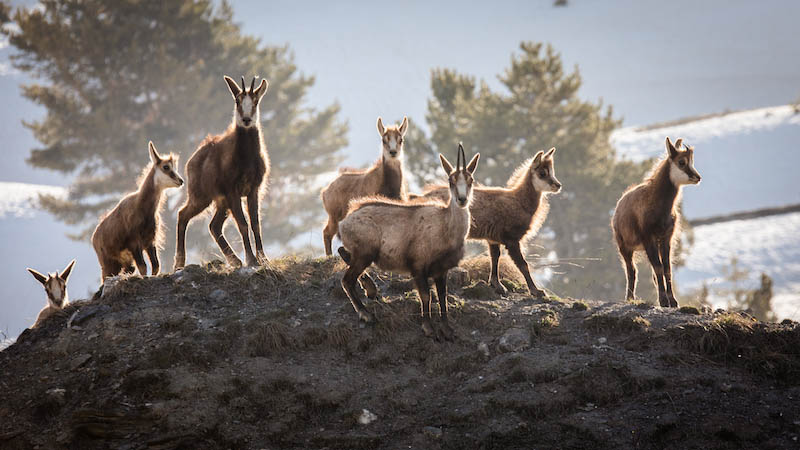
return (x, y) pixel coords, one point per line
(275, 358)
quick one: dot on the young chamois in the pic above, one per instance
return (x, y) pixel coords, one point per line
(646, 218)
(423, 238)
(225, 168)
(510, 215)
(55, 285)
(384, 178)
(134, 225)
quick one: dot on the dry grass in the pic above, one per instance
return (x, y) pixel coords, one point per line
(626, 323)
(479, 268)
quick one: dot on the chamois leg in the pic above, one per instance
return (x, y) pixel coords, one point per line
(152, 255)
(187, 213)
(630, 270)
(215, 228)
(255, 224)
(328, 233)
(441, 292)
(424, 291)
(664, 249)
(494, 278)
(349, 285)
(369, 286)
(138, 257)
(110, 269)
(241, 221)
(516, 255)
(651, 248)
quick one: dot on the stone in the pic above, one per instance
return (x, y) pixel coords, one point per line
(433, 432)
(514, 340)
(218, 295)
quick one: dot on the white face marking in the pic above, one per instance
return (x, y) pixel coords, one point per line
(677, 175)
(392, 145)
(55, 292)
(247, 106)
(247, 112)
(541, 185)
(162, 180)
(461, 189)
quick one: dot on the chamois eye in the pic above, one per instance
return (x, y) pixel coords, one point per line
(400, 141)
(681, 163)
(166, 167)
(542, 174)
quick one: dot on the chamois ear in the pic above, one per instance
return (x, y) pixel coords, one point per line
(473, 163)
(39, 277)
(235, 90)
(262, 89)
(671, 151)
(65, 273)
(678, 143)
(549, 154)
(404, 126)
(538, 158)
(381, 128)
(448, 168)
(154, 156)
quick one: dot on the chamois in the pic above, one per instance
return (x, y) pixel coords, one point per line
(225, 168)
(423, 238)
(55, 285)
(384, 178)
(646, 218)
(510, 215)
(134, 225)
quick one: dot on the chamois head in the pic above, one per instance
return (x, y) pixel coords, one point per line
(543, 171)
(55, 285)
(392, 137)
(246, 108)
(165, 175)
(681, 164)
(460, 178)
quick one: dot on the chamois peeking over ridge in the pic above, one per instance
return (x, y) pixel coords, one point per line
(646, 218)
(510, 215)
(134, 225)
(384, 178)
(424, 238)
(225, 168)
(55, 286)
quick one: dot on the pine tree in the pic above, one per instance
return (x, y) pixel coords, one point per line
(538, 108)
(112, 75)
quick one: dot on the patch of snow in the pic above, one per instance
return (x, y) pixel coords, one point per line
(20, 199)
(637, 144)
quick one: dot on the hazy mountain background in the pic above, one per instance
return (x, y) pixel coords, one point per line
(653, 61)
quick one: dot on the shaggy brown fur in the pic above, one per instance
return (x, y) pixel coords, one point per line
(55, 286)
(224, 169)
(647, 218)
(425, 239)
(510, 215)
(384, 178)
(134, 225)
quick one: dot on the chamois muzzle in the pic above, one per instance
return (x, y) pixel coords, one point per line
(246, 121)
(556, 186)
(393, 153)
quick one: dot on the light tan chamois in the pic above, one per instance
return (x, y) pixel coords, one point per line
(224, 169)
(384, 178)
(55, 286)
(647, 218)
(424, 238)
(510, 215)
(134, 225)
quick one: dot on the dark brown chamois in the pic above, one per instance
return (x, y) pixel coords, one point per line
(510, 215)
(384, 178)
(424, 238)
(647, 218)
(224, 169)
(134, 225)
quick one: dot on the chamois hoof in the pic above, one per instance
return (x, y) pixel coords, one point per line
(447, 332)
(498, 287)
(663, 302)
(673, 303)
(538, 294)
(367, 317)
(234, 261)
(427, 328)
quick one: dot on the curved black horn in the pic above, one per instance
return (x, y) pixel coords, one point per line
(244, 86)
(252, 84)
(461, 162)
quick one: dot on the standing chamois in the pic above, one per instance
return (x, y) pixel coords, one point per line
(384, 178)
(225, 168)
(423, 238)
(646, 218)
(55, 285)
(134, 225)
(512, 214)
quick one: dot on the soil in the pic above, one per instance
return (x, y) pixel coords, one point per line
(275, 358)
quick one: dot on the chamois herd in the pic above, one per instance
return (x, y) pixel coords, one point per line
(374, 217)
